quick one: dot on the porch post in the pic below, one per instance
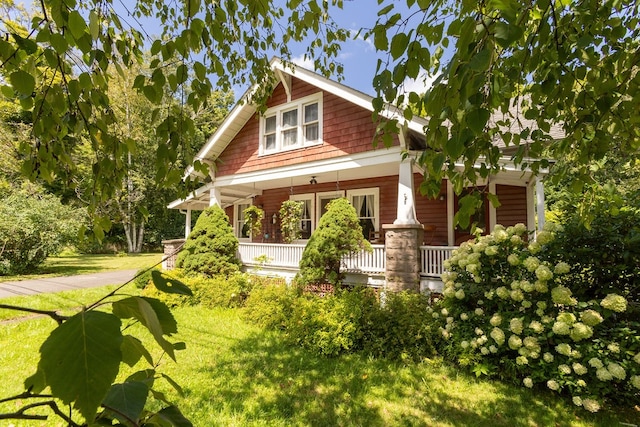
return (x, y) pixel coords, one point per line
(187, 225)
(404, 237)
(540, 202)
(215, 197)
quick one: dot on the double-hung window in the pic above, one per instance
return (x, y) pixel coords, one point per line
(366, 202)
(241, 229)
(293, 125)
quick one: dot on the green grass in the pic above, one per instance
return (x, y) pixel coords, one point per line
(70, 265)
(236, 374)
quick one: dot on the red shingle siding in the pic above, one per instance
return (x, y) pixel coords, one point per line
(347, 129)
(432, 212)
(513, 205)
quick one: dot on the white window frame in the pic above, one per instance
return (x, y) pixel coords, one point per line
(375, 191)
(278, 111)
(304, 197)
(325, 195)
(237, 214)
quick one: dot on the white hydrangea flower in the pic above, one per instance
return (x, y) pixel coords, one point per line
(522, 360)
(616, 371)
(498, 335)
(636, 358)
(635, 381)
(613, 347)
(478, 311)
(464, 344)
(579, 368)
(591, 405)
(502, 292)
(515, 342)
(513, 259)
(595, 363)
(580, 332)
(528, 382)
(459, 294)
(562, 268)
(543, 273)
(548, 357)
(562, 295)
(553, 385)
(561, 328)
(564, 349)
(464, 316)
(577, 400)
(603, 374)
(564, 369)
(614, 302)
(541, 287)
(484, 351)
(531, 263)
(517, 295)
(591, 317)
(493, 349)
(536, 326)
(516, 326)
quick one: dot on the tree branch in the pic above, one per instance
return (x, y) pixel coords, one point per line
(53, 314)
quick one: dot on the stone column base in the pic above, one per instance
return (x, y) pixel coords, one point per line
(170, 255)
(402, 248)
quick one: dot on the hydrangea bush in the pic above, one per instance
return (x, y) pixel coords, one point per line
(509, 309)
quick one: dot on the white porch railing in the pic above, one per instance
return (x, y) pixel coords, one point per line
(433, 258)
(288, 256)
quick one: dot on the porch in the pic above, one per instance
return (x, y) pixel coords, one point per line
(273, 259)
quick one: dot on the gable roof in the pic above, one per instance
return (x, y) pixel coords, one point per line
(244, 109)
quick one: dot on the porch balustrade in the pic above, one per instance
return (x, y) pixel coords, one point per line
(288, 256)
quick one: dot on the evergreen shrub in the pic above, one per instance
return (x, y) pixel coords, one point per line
(338, 234)
(211, 247)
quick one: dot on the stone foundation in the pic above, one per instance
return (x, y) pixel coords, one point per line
(402, 246)
(170, 249)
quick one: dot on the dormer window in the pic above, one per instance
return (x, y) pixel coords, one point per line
(293, 125)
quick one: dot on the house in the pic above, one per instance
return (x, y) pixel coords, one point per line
(314, 143)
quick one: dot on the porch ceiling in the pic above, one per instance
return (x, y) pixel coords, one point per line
(242, 186)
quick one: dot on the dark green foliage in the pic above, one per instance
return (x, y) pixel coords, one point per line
(403, 328)
(605, 258)
(142, 278)
(338, 235)
(33, 225)
(348, 321)
(211, 247)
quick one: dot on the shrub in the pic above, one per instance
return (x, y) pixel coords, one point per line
(333, 324)
(218, 291)
(269, 304)
(211, 246)
(402, 328)
(338, 234)
(32, 227)
(518, 310)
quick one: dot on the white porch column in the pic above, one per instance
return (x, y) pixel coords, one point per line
(187, 224)
(540, 202)
(215, 197)
(406, 210)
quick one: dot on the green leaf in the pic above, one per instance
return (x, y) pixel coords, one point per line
(133, 350)
(477, 119)
(80, 360)
(23, 82)
(126, 401)
(399, 44)
(493, 199)
(142, 310)
(481, 60)
(76, 24)
(168, 284)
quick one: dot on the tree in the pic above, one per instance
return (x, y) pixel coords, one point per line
(338, 234)
(516, 70)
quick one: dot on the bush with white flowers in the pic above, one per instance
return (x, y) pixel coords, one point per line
(510, 309)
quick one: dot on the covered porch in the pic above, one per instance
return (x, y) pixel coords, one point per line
(274, 259)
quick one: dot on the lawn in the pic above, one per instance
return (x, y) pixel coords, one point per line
(237, 374)
(70, 265)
